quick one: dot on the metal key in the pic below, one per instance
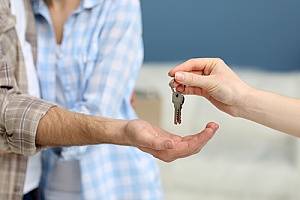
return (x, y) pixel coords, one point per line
(178, 100)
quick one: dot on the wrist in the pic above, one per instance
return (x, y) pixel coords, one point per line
(250, 104)
(110, 131)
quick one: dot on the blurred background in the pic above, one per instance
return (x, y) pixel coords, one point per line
(260, 40)
(260, 33)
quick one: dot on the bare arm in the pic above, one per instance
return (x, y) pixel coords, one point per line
(214, 80)
(64, 128)
(273, 110)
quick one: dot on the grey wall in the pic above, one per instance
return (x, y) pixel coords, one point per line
(259, 33)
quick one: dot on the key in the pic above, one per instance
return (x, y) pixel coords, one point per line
(178, 100)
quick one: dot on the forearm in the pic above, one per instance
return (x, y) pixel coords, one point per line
(273, 110)
(60, 127)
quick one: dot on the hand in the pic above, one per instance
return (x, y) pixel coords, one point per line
(214, 80)
(166, 146)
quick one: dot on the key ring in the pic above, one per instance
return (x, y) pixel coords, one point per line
(173, 90)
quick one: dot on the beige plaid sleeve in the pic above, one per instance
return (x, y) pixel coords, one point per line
(19, 113)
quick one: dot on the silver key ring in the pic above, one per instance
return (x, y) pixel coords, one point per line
(173, 88)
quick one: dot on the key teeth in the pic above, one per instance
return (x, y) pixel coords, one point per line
(175, 117)
(178, 117)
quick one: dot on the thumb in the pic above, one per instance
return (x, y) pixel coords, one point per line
(191, 79)
(160, 143)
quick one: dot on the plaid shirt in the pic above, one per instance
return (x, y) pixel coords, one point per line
(20, 113)
(101, 53)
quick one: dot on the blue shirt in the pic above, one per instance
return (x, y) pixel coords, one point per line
(101, 53)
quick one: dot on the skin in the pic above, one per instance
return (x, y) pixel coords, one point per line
(214, 80)
(60, 12)
(61, 127)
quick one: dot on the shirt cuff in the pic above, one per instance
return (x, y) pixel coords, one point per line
(22, 116)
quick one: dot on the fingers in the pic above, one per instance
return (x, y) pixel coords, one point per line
(196, 72)
(194, 84)
(196, 64)
(158, 139)
(199, 140)
(161, 144)
(190, 79)
(142, 134)
(156, 143)
(203, 134)
(188, 146)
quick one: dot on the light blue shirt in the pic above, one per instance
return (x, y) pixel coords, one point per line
(99, 58)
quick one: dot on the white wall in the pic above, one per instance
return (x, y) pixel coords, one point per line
(243, 161)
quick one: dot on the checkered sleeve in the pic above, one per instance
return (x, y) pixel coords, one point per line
(19, 113)
(20, 116)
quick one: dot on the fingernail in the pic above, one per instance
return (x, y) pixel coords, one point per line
(179, 76)
(169, 145)
(216, 127)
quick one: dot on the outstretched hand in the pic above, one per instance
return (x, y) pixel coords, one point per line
(164, 145)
